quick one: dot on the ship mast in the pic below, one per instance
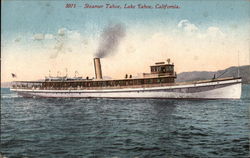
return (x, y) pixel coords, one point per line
(238, 64)
(66, 70)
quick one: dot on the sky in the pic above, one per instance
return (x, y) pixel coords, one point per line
(43, 37)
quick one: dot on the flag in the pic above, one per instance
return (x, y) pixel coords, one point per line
(13, 75)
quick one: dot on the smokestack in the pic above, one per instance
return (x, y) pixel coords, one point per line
(98, 68)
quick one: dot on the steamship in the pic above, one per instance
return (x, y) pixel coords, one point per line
(159, 83)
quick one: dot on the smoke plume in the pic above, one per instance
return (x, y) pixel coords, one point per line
(110, 39)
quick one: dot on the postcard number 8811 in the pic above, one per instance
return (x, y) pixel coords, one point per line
(70, 5)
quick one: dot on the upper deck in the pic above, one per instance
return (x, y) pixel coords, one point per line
(106, 84)
(160, 74)
(90, 84)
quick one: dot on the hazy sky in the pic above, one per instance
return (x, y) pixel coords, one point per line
(38, 36)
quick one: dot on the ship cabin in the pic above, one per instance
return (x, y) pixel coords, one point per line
(162, 73)
(161, 69)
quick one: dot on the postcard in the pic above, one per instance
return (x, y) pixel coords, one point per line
(117, 78)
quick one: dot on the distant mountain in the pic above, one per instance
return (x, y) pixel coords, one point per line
(244, 72)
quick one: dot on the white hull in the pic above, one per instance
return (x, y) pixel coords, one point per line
(228, 89)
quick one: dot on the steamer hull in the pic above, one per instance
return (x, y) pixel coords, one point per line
(159, 83)
(222, 89)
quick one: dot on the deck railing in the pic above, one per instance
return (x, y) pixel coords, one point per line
(148, 85)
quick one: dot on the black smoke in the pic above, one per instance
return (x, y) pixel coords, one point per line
(110, 39)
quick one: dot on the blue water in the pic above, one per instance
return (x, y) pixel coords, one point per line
(131, 128)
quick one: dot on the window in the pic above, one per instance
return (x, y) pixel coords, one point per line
(158, 80)
(169, 68)
(141, 81)
(150, 80)
(126, 83)
(163, 69)
(136, 82)
(131, 82)
(146, 81)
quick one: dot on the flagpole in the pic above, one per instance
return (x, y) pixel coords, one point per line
(238, 64)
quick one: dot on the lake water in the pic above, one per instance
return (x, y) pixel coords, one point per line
(142, 128)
